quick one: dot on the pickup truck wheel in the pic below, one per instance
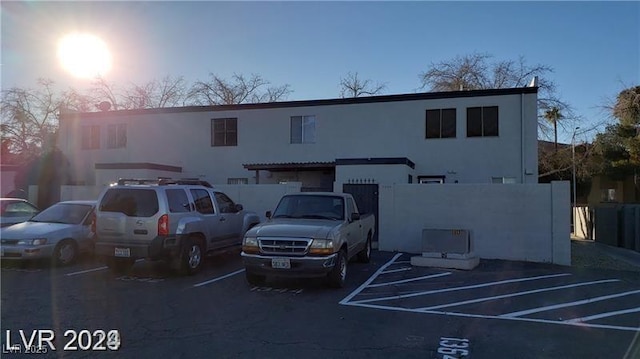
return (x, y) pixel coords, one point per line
(65, 253)
(191, 257)
(254, 279)
(338, 275)
(119, 265)
(365, 254)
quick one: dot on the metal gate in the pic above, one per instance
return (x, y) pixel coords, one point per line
(366, 196)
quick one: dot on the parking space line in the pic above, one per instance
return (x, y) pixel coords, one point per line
(409, 280)
(396, 270)
(95, 269)
(466, 315)
(569, 304)
(219, 278)
(371, 279)
(86, 271)
(602, 315)
(478, 300)
(482, 285)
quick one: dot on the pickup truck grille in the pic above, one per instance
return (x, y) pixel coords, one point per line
(284, 246)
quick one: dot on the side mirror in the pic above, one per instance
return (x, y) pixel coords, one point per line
(239, 207)
(268, 214)
(355, 216)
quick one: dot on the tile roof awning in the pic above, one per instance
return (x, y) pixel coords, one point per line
(290, 166)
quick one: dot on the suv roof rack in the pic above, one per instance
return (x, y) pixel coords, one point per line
(163, 181)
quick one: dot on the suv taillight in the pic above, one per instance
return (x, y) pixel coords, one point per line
(163, 225)
(93, 222)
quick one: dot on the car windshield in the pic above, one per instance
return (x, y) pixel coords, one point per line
(68, 213)
(310, 206)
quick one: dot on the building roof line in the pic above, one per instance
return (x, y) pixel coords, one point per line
(309, 103)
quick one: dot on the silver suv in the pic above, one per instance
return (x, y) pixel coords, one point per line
(178, 221)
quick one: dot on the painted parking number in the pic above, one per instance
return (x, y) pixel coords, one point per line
(453, 348)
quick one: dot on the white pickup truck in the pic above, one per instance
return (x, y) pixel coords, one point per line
(308, 235)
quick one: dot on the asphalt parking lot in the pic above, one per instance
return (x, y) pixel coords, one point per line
(500, 309)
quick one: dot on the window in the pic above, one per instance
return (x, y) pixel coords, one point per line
(224, 132)
(178, 201)
(132, 202)
(430, 179)
(608, 195)
(90, 137)
(202, 200)
(237, 181)
(505, 180)
(303, 129)
(482, 121)
(441, 123)
(351, 207)
(18, 209)
(225, 203)
(117, 136)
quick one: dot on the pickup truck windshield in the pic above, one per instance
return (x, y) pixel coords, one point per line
(310, 206)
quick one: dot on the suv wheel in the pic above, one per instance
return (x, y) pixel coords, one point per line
(119, 265)
(191, 257)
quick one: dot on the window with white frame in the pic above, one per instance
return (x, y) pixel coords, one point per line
(90, 137)
(430, 179)
(237, 181)
(303, 129)
(503, 180)
(117, 135)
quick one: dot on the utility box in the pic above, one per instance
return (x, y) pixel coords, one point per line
(447, 248)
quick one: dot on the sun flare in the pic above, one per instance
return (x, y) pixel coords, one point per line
(84, 55)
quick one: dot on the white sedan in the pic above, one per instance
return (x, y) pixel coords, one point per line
(60, 232)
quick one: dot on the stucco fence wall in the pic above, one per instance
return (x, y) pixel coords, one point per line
(258, 198)
(524, 222)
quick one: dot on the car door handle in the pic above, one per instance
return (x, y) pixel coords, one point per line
(222, 219)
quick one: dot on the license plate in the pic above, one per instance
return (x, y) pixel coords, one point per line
(123, 252)
(281, 263)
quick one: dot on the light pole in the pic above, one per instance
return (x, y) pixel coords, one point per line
(573, 165)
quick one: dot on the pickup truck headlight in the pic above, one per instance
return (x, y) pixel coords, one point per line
(250, 245)
(32, 242)
(321, 246)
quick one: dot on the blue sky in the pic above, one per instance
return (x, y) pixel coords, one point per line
(593, 47)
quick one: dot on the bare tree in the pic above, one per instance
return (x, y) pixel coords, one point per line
(166, 92)
(477, 71)
(29, 118)
(352, 86)
(239, 89)
(103, 91)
